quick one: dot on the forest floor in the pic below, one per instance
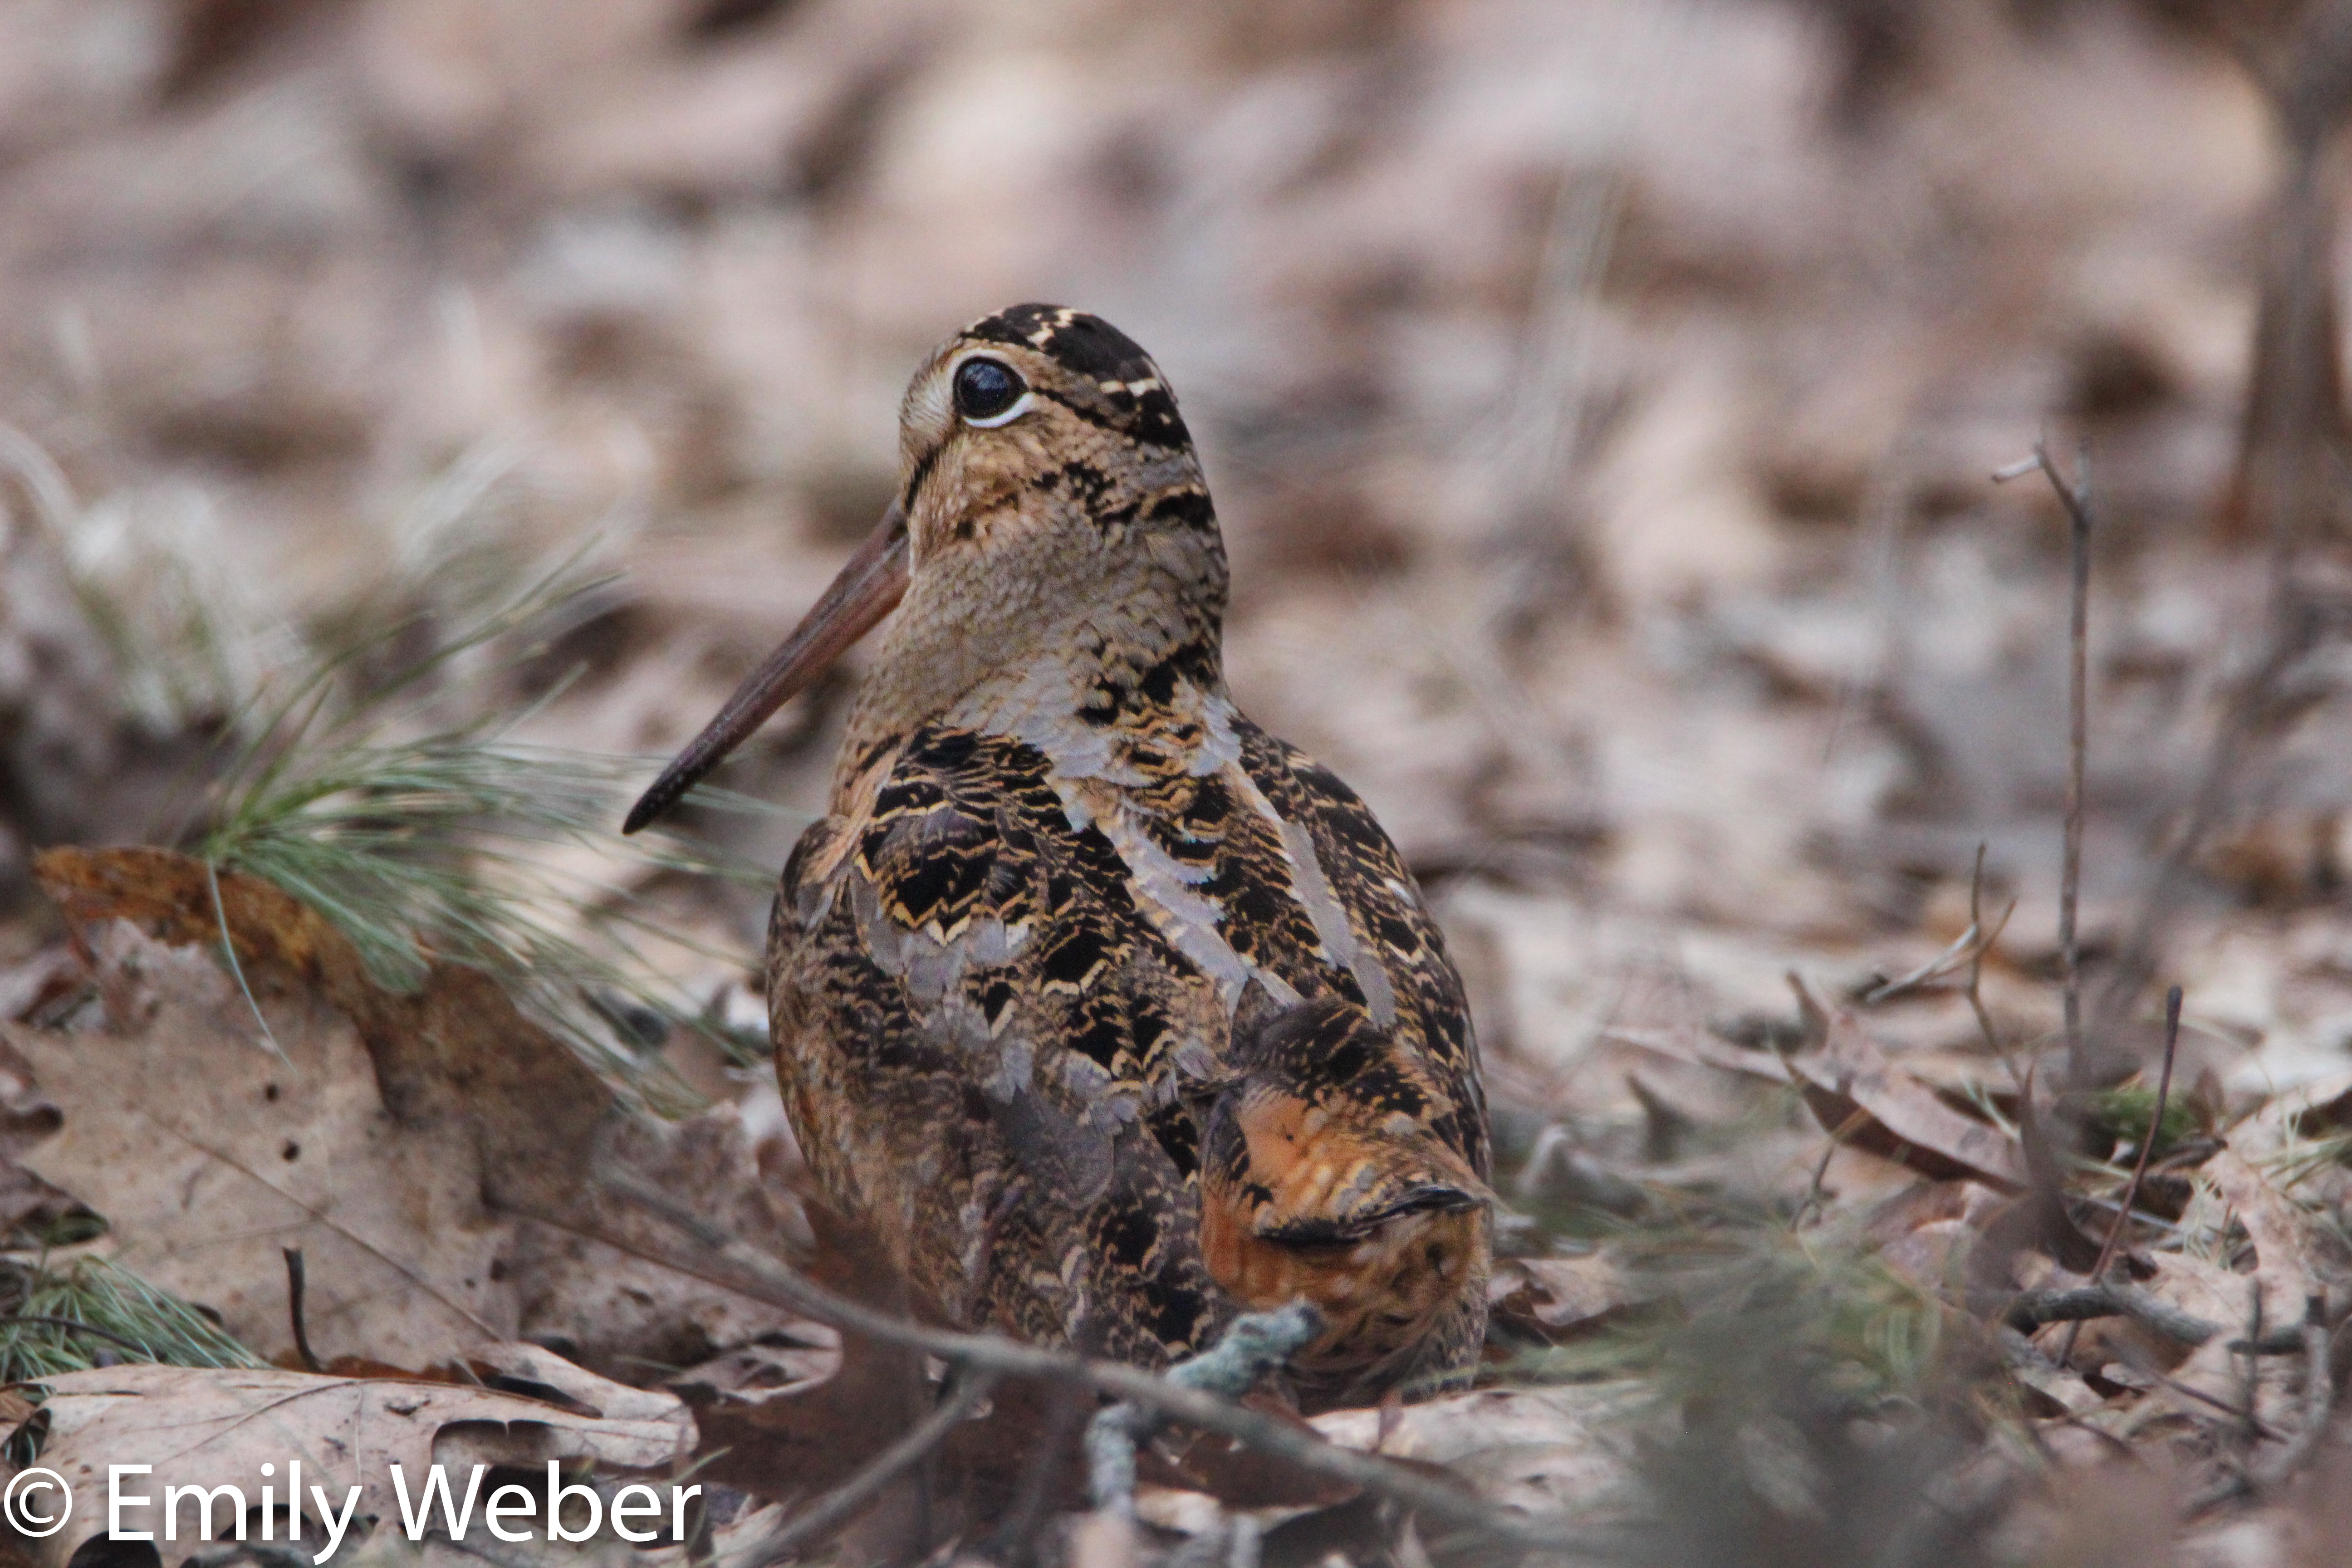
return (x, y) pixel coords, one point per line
(416, 414)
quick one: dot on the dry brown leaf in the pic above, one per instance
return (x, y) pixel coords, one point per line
(1210, 1465)
(1860, 1098)
(1928, 1231)
(2059, 1386)
(2307, 1111)
(1566, 1449)
(2281, 1233)
(208, 1154)
(35, 1211)
(432, 1154)
(26, 1114)
(2212, 1370)
(768, 1369)
(518, 1367)
(1558, 1293)
(211, 1427)
(457, 1051)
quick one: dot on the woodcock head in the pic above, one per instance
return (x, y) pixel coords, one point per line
(1050, 510)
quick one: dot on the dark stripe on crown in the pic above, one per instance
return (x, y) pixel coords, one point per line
(1086, 344)
(1091, 348)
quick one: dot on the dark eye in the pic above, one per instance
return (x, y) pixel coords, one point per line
(985, 388)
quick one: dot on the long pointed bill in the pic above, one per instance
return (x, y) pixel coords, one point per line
(867, 589)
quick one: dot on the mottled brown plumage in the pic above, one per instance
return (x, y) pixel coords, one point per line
(1110, 1013)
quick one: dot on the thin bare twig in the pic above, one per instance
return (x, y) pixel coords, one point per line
(2139, 1164)
(843, 1503)
(762, 1278)
(1976, 966)
(2078, 509)
(2033, 1309)
(2254, 1369)
(2318, 1398)
(1965, 952)
(2077, 499)
(294, 1282)
(2155, 1129)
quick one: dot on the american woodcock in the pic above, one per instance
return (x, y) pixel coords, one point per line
(1111, 1014)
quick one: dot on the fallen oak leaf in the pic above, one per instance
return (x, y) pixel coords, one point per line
(534, 1372)
(1862, 1098)
(2281, 1234)
(424, 1045)
(400, 1144)
(209, 1157)
(2212, 1383)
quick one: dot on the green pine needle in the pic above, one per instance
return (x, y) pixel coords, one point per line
(133, 1321)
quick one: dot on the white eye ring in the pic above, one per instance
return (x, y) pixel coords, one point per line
(1013, 411)
(974, 363)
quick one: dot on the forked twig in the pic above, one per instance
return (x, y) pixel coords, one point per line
(1967, 950)
(1253, 1344)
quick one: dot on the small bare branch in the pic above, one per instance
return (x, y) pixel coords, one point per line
(2318, 1399)
(294, 1287)
(1250, 1347)
(1965, 953)
(2076, 498)
(2139, 1166)
(2033, 1309)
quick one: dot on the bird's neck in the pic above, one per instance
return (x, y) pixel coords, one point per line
(1087, 683)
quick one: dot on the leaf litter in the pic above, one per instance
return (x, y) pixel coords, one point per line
(1712, 652)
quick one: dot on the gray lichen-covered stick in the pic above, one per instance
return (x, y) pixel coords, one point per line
(1252, 1345)
(1112, 1015)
